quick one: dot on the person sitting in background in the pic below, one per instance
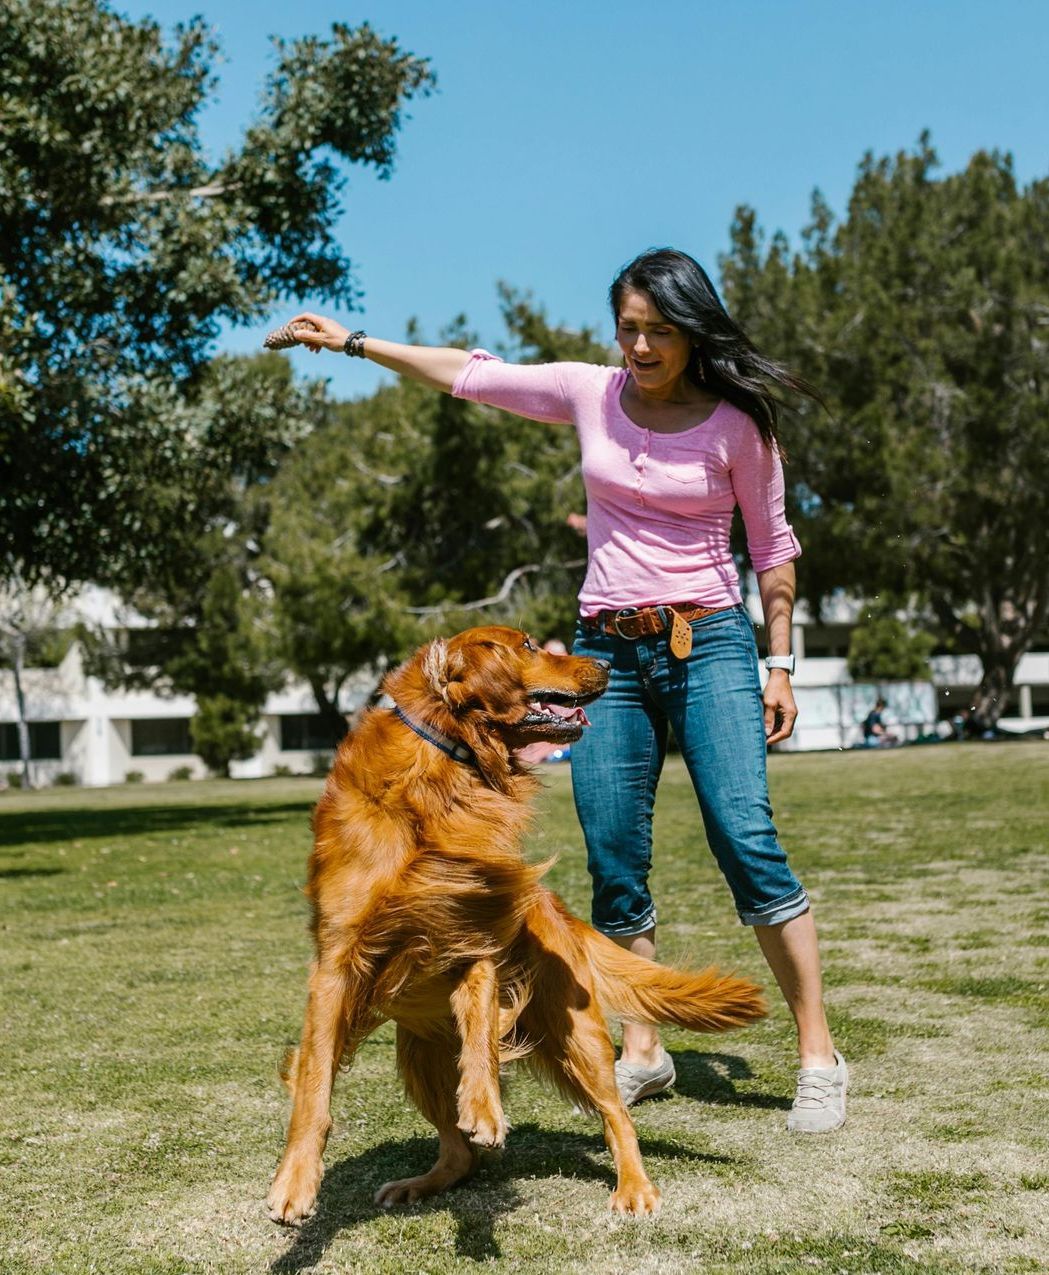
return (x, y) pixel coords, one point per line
(875, 732)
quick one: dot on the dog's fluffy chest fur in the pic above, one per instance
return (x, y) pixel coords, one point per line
(411, 881)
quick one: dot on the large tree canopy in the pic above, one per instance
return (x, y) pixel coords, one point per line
(923, 316)
(123, 247)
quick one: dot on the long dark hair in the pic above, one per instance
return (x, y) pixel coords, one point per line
(724, 359)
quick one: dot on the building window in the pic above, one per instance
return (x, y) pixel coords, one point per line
(160, 737)
(1039, 701)
(304, 732)
(827, 641)
(44, 741)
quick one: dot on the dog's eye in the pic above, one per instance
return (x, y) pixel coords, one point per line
(529, 645)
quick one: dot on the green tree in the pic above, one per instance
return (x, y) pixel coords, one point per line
(922, 317)
(882, 648)
(337, 593)
(123, 248)
(223, 730)
(228, 666)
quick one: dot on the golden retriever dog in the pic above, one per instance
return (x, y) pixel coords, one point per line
(426, 912)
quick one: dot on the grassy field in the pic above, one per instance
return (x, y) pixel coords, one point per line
(154, 955)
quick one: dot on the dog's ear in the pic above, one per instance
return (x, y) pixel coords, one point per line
(443, 671)
(474, 681)
(478, 677)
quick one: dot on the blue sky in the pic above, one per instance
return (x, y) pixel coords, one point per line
(566, 137)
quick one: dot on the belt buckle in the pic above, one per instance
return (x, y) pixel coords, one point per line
(624, 613)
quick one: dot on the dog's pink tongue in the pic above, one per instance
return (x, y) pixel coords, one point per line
(573, 715)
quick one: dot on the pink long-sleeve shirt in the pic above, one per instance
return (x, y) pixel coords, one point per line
(659, 506)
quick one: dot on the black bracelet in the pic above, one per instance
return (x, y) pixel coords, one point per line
(354, 345)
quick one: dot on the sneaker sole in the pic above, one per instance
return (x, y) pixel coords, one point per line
(649, 1089)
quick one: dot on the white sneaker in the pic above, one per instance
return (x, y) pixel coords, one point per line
(819, 1101)
(636, 1082)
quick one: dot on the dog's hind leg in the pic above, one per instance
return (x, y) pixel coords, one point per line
(475, 1005)
(294, 1191)
(429, 1073)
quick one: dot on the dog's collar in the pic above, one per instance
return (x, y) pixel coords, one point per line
(455, 749)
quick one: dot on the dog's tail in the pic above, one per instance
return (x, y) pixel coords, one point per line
(645, 992)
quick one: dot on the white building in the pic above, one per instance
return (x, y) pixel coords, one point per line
(831, 706)
(99, 737)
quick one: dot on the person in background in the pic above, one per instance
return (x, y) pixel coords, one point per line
(875, 733)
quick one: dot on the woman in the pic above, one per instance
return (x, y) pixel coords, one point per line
(671, 443)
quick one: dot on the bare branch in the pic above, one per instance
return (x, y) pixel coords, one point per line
(159, 196)
(387, 480)
(504, 590)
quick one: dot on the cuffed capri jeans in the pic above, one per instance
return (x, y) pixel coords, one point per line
(712, 699)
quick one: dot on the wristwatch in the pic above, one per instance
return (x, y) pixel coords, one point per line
(780, 661)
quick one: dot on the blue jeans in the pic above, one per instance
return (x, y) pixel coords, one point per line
(712, 699)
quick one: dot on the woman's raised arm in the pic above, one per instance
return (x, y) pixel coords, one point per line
(436, 366)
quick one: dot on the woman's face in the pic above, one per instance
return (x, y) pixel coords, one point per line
(656, 352)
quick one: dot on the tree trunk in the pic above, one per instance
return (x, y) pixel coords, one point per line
(18, 662)
(1005, 634)
(991, 697)
(329, 711)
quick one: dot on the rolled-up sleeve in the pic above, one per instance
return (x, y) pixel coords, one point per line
(538, 391)
(757, 480)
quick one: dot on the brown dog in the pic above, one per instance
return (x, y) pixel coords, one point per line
(425, 911)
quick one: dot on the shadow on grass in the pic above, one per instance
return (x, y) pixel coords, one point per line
(711, 1077)
(347, 1188)
(8, 874)
(79, 825)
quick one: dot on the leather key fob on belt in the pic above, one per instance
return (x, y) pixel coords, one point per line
(680, 636)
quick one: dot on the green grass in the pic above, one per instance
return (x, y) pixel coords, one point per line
(153, 956)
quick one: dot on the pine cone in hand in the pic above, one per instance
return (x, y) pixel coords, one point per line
(283, 338)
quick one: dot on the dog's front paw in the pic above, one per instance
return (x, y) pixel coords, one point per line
(638, 1197)
(485, 1126)
(293, 1195)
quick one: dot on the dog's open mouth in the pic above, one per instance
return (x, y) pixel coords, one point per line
(554, 708)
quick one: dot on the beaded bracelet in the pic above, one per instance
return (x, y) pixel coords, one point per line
(354, 345)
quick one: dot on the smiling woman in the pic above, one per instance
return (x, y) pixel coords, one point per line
(681, 345)
(656, 352)
(671, 444)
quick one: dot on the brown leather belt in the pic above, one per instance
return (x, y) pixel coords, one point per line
(638, 622)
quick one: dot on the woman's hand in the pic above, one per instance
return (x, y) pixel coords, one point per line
(329, 335)
(780, 710)
(437, 367)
